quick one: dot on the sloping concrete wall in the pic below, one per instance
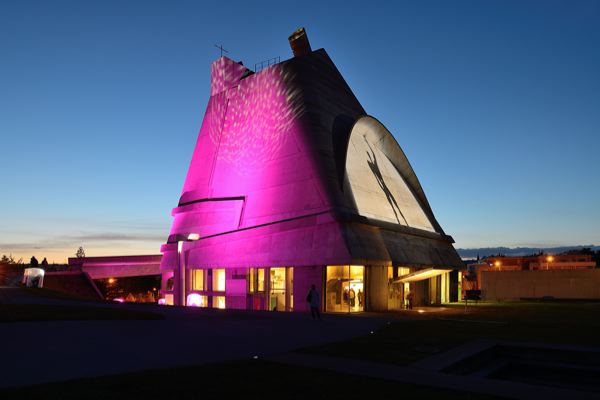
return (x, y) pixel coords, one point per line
(560, 284)
(265, 184)
(78, 284)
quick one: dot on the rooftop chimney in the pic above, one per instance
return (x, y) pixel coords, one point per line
(299, 43)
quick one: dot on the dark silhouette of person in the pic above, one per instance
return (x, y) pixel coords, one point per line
(44, 263)
(379, 176)
(314, 300)
(409, 300)
(34, 262)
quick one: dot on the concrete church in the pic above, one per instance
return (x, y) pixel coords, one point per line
(291, 184)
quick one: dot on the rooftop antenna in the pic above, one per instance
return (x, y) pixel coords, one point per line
(220, 47)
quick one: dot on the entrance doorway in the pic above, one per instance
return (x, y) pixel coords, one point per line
(344, 288)
(281, 288)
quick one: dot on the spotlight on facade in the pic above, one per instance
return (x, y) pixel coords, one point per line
(193, 236)
(111, 280)
(550, 258)
(497, 263)
(194, 300)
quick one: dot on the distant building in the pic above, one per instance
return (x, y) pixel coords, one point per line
(566, 276)
(542, 262)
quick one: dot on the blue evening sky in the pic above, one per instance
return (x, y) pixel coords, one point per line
(496, 104)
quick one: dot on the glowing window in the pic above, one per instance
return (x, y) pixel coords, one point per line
(219, 302)
(218, 280)
(260, 280)
(197, 300)
(169, 299)
(344, 288)
(278, 285)
(278, 278)
(198, 279)
(252, 280)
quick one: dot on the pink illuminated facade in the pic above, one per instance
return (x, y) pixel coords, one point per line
(292, 184)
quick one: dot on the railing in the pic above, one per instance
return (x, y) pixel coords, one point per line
(266, 63)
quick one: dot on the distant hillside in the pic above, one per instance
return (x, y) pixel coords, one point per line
(518, 251)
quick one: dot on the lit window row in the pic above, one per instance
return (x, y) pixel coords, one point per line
(199, 300)
(199, 279)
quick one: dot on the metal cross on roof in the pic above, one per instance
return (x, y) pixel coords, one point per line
(220, 47)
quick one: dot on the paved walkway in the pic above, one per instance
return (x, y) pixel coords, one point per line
(413, 375)
(41, 352)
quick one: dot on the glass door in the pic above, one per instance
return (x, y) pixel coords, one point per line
(277, 292)
(344, 288)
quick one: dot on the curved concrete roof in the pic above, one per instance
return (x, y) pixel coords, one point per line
(371, 135)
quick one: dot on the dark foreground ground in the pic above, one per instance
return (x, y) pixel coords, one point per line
(249, 379)
(191, 354)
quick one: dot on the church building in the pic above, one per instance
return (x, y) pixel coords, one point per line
(293, 184)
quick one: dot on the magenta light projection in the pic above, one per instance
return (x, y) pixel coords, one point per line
(195, 300)
(253, 165)
(264, 105)
(267, 185)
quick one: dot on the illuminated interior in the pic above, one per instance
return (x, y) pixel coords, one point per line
(260, 280)
(198, 279)
(277, 293)
(218, 302)
(218, 280)
(397, 290)
(169, 299)
(251, 280)
(256, 280)
(344, 288)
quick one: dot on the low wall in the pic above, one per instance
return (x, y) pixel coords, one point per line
(560, 284)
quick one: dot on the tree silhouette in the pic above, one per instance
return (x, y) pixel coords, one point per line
(80, 252)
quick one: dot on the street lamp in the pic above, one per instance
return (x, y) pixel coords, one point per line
(181, 266)
(549, 259)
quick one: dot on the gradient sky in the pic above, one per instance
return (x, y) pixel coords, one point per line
(496, 104)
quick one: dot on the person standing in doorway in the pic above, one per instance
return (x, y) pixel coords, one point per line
(314, 300)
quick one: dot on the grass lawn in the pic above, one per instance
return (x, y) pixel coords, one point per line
(408, 339)
(254, 379)
(45, 312)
